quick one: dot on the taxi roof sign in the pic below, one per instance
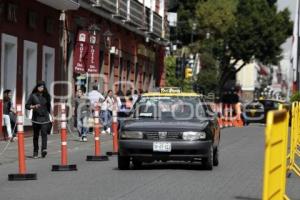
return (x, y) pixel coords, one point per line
(170, 90)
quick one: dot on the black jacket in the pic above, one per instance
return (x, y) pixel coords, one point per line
(6, 107)
(40, 114)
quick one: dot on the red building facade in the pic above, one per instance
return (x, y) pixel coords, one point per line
(29, 47)
(32, 48)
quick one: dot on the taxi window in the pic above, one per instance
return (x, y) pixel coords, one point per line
(268, 104)
(169, 107)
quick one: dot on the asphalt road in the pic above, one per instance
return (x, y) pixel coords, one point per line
(239, 175)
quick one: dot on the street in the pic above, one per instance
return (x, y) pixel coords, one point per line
(239, 175)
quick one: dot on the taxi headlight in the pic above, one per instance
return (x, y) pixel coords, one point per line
(192, 135)
(132, 135)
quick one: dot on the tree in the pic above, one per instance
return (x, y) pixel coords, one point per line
(171, 80)
(241, 31)
(170, 63)
(185, 14)
(207, 79)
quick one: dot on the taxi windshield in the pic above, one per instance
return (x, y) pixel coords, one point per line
(176, 107)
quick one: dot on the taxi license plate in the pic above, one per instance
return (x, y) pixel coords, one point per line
(162, 146)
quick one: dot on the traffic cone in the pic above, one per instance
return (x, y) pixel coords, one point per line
(235, 117)
(97, 127)
(230, 119)
(64, 157)
(22, 175)
(115, 132)
(226, 115)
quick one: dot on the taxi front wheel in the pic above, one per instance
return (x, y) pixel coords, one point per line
(123, 162)
(216, 157)
(208, 162)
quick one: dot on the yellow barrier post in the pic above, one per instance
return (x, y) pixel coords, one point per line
(292, 166)
(298, 133)
(275, 156)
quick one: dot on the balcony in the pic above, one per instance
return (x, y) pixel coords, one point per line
(61, 4)
(157, 25)
(136, 13)
(132, 13)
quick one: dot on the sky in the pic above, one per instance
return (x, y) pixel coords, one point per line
(290, 4)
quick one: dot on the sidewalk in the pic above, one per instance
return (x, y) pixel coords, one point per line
(9, 150)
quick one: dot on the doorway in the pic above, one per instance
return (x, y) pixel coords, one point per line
(9, 65)
(29, 74)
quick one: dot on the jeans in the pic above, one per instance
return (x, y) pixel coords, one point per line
(106, 117)
(37, 129)
(8, 125)
(81, 126)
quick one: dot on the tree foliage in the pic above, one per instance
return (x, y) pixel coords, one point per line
(185, 15)
(295, 97)
(240, 31)
(208, 77)
(171, 80)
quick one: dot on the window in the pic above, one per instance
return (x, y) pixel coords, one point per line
(32, 19)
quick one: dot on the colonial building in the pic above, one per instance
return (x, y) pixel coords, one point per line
(40, 40)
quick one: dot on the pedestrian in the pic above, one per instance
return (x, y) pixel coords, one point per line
(9, 115)
(106, 112)
(81, 105)
(95, 96)
(135, 96)
(39, 102)
(129, 100)
(121, 102)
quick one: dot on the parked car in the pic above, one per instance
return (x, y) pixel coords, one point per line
(256, 111)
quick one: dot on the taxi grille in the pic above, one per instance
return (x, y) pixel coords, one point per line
(157, 136)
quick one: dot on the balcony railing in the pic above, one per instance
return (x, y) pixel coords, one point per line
(135, 15)
(122, 9)
(157, 24)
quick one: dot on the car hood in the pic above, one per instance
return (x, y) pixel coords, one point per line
(156, 125)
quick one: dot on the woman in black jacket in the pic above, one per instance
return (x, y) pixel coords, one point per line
(39, 101)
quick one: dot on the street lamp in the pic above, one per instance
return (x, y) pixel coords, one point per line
(107, 43)
(107, 39)
(94, 29)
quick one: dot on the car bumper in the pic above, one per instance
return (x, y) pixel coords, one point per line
(180, 150)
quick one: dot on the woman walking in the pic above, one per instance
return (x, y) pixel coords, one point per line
(106, 112)
(8, 115)
(39, 101)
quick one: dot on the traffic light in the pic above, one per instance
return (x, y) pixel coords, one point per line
(188, 72)
(178, 72)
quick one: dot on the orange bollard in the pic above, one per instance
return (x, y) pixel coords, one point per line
(234, 117)
(115, 132)
(21, 152)
(97, 127)
(64, 150)
(240, 122)
(230, 119)
(226, 115)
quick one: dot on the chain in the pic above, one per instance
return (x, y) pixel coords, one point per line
(8, 143)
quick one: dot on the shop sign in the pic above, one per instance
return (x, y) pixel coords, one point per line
(92, 58)
(80, 51)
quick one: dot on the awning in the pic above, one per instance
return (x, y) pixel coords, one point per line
(61, 4)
